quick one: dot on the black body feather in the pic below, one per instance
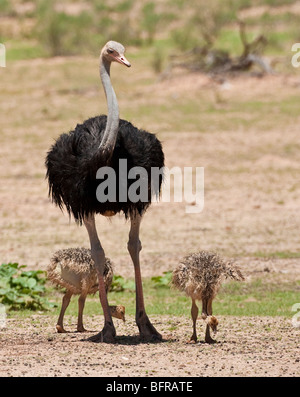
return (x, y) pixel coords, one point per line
(74, 159)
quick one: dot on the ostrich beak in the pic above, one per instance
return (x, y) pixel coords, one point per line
(121, 59)
(213, 323)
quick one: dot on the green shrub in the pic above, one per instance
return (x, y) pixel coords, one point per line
(163, 281)
(150, 20)
(119, 284)
(61, 33)
(22, 289)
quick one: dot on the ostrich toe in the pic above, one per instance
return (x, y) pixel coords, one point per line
(208, 338)
(147, 331)
(107, 335)
(81, 329)
(60, 329)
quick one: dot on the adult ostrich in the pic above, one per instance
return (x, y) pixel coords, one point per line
(72, 164)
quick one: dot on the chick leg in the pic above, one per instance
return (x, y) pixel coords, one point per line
(65, 303)
(208, 338)
(81, 302)
(194, 313)
(208, 310)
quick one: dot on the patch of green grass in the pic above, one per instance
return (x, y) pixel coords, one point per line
(6, 8)
(18, 49)
(255, 298)
(202, 113)
(277, 254)
(230, 41)
(275, 3)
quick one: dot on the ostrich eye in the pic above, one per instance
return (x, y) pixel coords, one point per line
(110, 51)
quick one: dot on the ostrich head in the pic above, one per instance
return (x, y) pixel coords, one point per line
(114, 52)
(118, 312)
(212, 322)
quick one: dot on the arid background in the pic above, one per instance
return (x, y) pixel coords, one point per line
(242, 128)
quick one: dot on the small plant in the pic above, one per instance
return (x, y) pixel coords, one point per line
(163, 281)
(150, 20)
(119, 284)
(62, 33)
(157, 61)
(22, 289)
(6, 8)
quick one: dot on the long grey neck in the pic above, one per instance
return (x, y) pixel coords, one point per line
(111, 130)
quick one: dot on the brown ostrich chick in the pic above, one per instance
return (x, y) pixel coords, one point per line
(200, 275)
(74, 269)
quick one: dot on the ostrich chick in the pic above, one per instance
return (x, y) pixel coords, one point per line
(199, 275)
(74, 269)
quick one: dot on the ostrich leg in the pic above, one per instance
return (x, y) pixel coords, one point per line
(65, 303)
(194, 312)
(108, 332)
(207, 311)
(147, 330)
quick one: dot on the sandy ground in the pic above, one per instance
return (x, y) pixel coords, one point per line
(248, 346)
(251, 210)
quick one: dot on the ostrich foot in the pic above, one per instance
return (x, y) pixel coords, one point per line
(81, 329)
(60, 329)
(209, 339)
(193, 340)
(147, 331)
(107, 335)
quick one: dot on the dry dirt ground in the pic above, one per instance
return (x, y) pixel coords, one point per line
(251, 207)
(247, 346)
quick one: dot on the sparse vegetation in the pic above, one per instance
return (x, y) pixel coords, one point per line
(162, 281)
(61, 33)
(20, 289)
(234, 299)
(237, 299)
(27, 290)
(119, 284)
(277, 254)
(50, 28)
